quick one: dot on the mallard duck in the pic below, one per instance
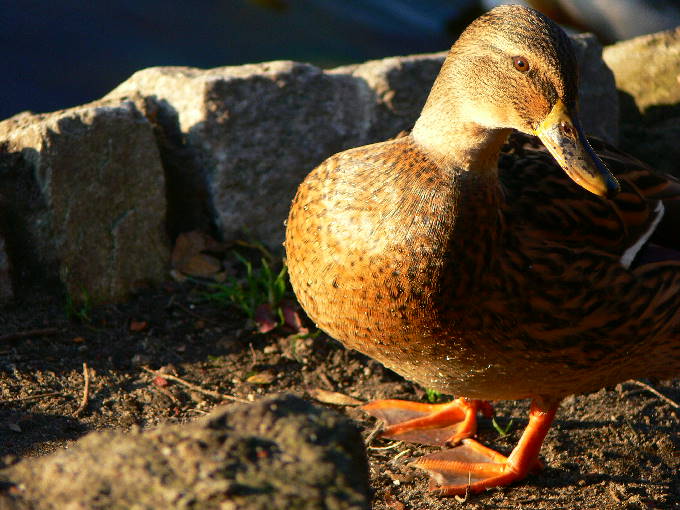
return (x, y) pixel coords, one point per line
(533, 271)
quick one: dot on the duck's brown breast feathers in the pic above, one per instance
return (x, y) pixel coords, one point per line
(476, 288)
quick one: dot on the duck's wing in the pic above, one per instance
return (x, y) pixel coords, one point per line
(591, 278)
(642, 222)
(664, 242)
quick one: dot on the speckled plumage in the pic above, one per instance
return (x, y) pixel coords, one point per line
(490, 274)
(518, 294)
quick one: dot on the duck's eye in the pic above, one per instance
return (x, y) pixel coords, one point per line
(521, 64)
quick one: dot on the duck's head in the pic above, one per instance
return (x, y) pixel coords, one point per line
(513, 68)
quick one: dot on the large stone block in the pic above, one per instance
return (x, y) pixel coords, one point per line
(648, 69)
(6, 288)
(85, 200)
(647, 72)
(598, 102)
(279, 453)
(396, 87)
(255, 131)
(400, 86)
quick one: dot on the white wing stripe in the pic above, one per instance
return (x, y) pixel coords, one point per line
(630, 254)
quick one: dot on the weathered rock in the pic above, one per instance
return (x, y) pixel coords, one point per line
(279, 453)
(647, 72)
(400, 86)
(255, 131)
(648, 68)
(598, 102)
(395, 90)
(85, 200)
(6, 290)
(189, 206)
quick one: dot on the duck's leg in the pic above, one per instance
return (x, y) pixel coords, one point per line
(435, 424)
(473, 467)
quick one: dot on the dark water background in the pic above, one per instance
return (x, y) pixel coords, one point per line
(57, 54)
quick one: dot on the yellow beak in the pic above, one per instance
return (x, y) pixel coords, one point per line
(565, 140)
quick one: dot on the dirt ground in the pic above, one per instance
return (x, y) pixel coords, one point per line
(617, 448)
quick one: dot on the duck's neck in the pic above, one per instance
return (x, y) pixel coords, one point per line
(468, 153)
(461, 145)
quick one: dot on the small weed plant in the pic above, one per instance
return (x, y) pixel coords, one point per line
(502, 431)
(432, 395)
(261, 285)
(80, 308)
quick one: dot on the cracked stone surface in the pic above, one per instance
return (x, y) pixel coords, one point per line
(279, 453)
(84, 194)
(6, 288)
(251, 133)
(647, 71)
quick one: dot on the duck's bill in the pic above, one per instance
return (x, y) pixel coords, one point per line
(565, 140)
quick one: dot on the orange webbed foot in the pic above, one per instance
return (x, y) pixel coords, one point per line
(473, 467)
(432, 424)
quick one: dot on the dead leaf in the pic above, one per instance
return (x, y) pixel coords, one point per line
(393, 502)
(159, 381)
(14, 427)
(78, 340)
(188, 255)
(201, 265)
(178, 276)
(333, 397)
(291, 317)
(187, 245)
(261, 378)
(265, 319)
(138, 326)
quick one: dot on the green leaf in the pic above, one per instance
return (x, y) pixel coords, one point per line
(259, 286)
(502, 431)
(432, 395)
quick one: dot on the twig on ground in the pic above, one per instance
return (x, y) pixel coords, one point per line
(194, 410)
(656, 392)
(20, 335)
(167, 393)
(32, 397)
(327, 381)
(467, 490)
(388, 447)
(253, 354)
(195, 387)
(86, 391)
(631, 428)
(398, 456)
(373, 433)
